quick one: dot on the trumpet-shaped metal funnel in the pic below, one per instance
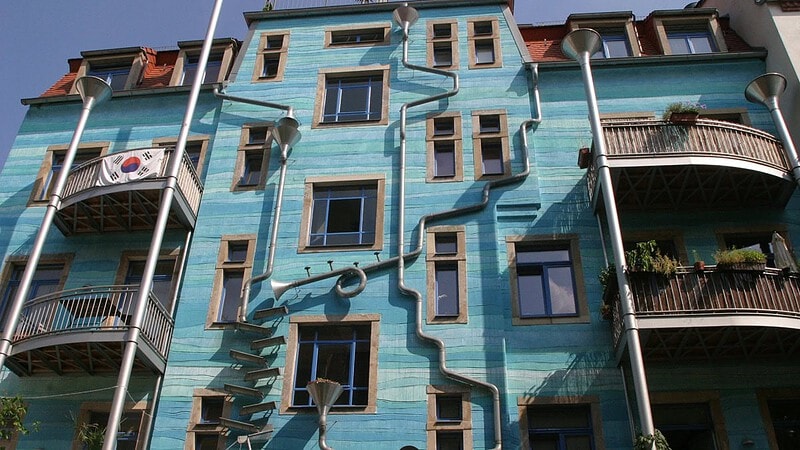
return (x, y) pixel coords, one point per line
(92, 88)
(765, 88)
(405, 16)
(324, 393)
(286, 132)
(579, 41)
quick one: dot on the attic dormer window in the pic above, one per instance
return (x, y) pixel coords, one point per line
(689, 32)
(690, 40)
(121, 68)
(115, 76)
(614, 44)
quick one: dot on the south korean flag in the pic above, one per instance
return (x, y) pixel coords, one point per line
(130, 166)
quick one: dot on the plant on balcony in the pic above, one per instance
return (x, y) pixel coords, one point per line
(646, 442)
(647, 257)
(91, 435)
(679, 112)
(12, 411)
(740, 259)
(699, 264)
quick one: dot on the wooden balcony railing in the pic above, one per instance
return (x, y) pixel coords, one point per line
(712, 292)
(647, 139)
(92, 309)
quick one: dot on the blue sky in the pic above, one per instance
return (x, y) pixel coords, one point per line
(38, 36)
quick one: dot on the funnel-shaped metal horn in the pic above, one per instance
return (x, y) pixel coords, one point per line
(286, 132)
(324, 393)
(579, 41)
(92, 89)
(405, 16)
(765, 88)
(279, 287)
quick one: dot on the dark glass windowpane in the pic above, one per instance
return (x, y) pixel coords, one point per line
(531, 295)
(483, 28)
(540, 256)
(446, 290)
(492, 157)
(444, 126)
(489, 123)
(442, 31)
(274, 42)
(211, 409)
(446, 243)
(484, 52)
(231, 293)
(344, 216)
(333, 362)
(448, 408)
(444, 156)
(449, 440)
(442, 54)
(206, 441)
(237, 251)
(562, 295)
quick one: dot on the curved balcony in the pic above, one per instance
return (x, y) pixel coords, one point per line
(94, 201)
(714, 314)
(83, 330)
(708, 164)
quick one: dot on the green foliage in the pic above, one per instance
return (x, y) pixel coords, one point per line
(268, 6)
(647, 257)
(739, 256)
(12, 411)
(92, 435)
(682, 107)
(645, 442)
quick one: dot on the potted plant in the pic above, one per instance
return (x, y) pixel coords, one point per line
(647, 257)
(740, 259)
(683, 112)
(91, 435)
(12, 411)
(699, 264)
(650, 441)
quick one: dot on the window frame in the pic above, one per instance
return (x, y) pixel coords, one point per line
(281, 53)
(383, 26)
(225, 49)
(478, 139)
(246, 150)
(433, 426)
(223, 266)
(434, 41)
(44, 180)
(572, 243)
(87, 408)
(431, 140)
(287, 394)
(196, 425)
(473, 40)
(620, 24)
(459, 259)
(350, 72)
(590, 401)
(196, 139)
(764, 397)
(134, 58)
(337, 181)
(724, 234)
(711, 398)
(676, 236)
(704, 19)
(129, 256)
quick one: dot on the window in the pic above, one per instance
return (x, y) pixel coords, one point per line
(490, 144)
(205, 431)
(272, 55)
(561, 427)
(355, 96)
(484, 43)
(342, 349)
(234, 266)
(252, 158)
(49, 277)
(783, 417)
(190, 66)
(53, 163)
(754, 240)
(688, 32)
(162, 278)
(669, 244)
(446, 265)
(196, 147)
(120, 68)
(546, 280)
(733, 115)
(443, 45)
(686, 426)
(349, 37)
(115, 76)
(445, 158)
(96, 415)
(449, 418)
(343, 213)
(614, 44)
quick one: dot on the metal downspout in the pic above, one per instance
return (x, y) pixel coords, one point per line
(147, 431)
(17, 304)
(615, 232)
(245, 295)
(132, 336)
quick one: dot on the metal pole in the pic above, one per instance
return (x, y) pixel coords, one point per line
(626, 298)
(132, 336)
(90, 99)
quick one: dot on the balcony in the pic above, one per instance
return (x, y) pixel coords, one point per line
(82, 331)
(710, 164)
(92, 204)
(714, 314)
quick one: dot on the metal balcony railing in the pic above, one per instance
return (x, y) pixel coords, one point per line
(647, 139)
(95, 308)
(712, 292)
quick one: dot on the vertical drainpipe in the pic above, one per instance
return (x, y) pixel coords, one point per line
(580, 45)
(133, 334)
(93, 91)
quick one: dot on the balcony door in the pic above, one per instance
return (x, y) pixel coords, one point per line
(46, 280)
(162, 279)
